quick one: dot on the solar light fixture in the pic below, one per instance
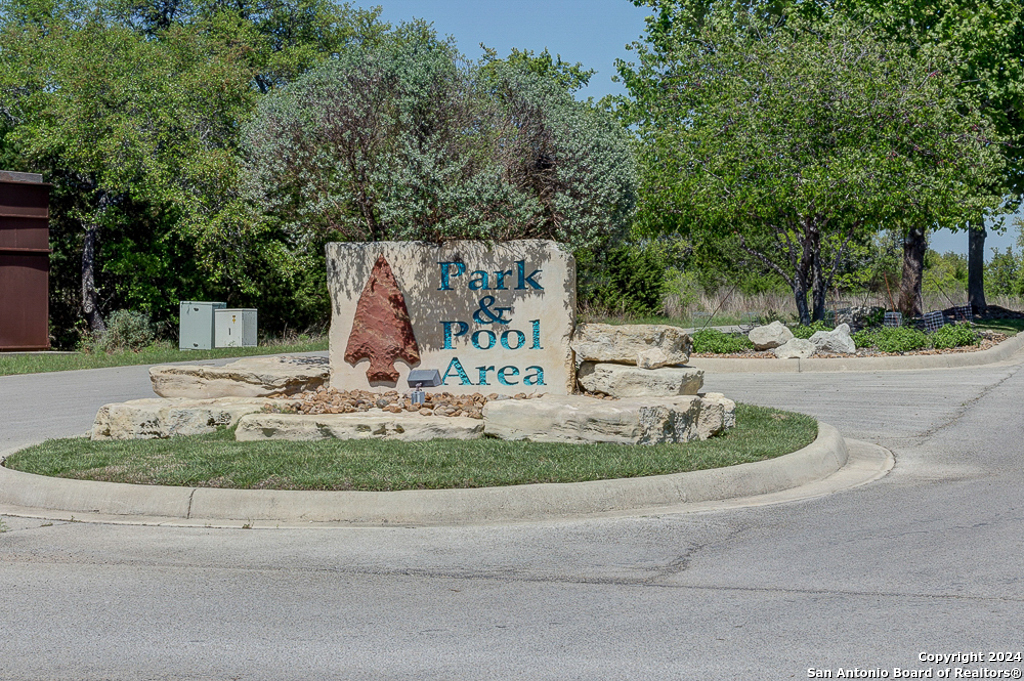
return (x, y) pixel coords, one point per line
(420, 378)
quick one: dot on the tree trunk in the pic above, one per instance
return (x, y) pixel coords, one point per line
(90, 299)
(914, 246)
(818, 288)
(976, 267)
(800, 293)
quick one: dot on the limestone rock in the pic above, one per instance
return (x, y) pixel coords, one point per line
(577, 418)
(858, 316)
(836, 341)
(249, 377)
(795, 347)
(649, 346)
(619, 380)
(770, 336)
(467, 304)
(408, 427)
(153, 417)
(728, 408)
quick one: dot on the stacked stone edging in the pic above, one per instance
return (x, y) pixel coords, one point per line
(248, 377)
(164, 417)
(633, 421)
(634, 360)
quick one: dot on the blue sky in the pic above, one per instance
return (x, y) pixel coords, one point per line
(594, 32)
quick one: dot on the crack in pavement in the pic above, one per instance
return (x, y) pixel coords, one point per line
(966, 406)
(682, 563)
(510, 576)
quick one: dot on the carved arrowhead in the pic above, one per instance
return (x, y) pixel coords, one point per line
(381, 330)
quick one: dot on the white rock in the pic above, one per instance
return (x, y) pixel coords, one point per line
(652, 358)
(770, 336)
(727, 405)
(577, 418)
(837, 341)
(408, 427)
(619, 380)
(649, 346)
(249, 377)
(795, 347)
(154, 417)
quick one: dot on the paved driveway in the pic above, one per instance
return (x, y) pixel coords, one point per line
(925, 561)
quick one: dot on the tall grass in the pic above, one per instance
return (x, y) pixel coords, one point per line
(731, 307)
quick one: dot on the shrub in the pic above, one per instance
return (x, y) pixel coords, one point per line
(808, 330)
(955, 336)
(627, 279)
(714, 341)
(886, 339)
(126, 330)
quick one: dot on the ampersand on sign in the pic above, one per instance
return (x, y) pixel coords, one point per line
(485, 316)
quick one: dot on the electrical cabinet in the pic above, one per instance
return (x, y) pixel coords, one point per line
(195, 330)
(235, 328)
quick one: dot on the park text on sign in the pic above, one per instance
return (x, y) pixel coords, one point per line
(492, 318)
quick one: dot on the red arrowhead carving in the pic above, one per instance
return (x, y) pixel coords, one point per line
(381, 330)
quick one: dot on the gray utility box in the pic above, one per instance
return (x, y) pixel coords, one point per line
(235, 328)
(196, 325)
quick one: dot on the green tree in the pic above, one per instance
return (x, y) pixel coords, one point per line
(794, 138)
(985, 41)
(1002, 272)
(406, 140)
(150, 126)
(133, 111)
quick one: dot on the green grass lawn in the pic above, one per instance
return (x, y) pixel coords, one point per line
(217, 460)
(1011, 327)
(160, 353)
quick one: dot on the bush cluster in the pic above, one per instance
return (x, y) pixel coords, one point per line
(714, 341)
(623, 280)
(127, 330)
(808, 330)
(955, 336)
(906, 339)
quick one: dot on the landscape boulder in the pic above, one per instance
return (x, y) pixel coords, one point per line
(795, 348)
(249, 377)
(578, 418)
(155, 417)
(378, 424)
(859, 316)
(619, 380)
(770, 336)
(836, 341)
(649, 346)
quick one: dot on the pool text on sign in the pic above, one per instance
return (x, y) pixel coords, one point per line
(490, 313)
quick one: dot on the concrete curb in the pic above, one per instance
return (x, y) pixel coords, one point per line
(1001, 352)
(160, 505)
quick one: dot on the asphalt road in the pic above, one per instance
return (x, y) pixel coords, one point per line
(927, 560)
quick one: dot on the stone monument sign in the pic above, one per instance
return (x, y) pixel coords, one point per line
(490, 318)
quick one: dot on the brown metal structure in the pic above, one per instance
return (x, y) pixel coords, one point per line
(24, 262)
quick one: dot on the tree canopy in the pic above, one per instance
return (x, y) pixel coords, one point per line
(792, 138)
(985, 46)
(407, 140)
